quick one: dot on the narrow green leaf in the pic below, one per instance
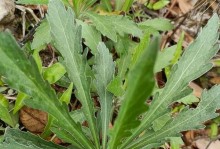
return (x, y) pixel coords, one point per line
(4, 111)
(19, 101)
(41, 2)
(14, 138)
(140, 86)
(37, 59)
(47, 132)
(187, 120)
(160, 24)
(42, 35)
(82, 5)
(66, 96)
(142, 46)
(91, 35)
(176, 56)
(65, 136)
(111, 26)
(124, 48)
(53, 73)
(1, 82)
(104, 69)
(67, 40)
(23, 75)
(33, 2)
(107, 4)
(194, 62)
(127, 5)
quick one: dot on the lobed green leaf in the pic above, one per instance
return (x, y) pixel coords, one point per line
(194, 62)
(67, 40)
(187, 120)
(14, 138)
(111, 26)
(23, 75)
(104, 68)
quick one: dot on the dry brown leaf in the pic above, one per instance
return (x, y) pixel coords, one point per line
(215, 80)
(33, 120)
(185, 5)
(197, 90)
(189, 136)
(203, 143)
(7, 8)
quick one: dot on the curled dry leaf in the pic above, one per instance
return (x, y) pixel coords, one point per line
(7, 8)
(33, 120)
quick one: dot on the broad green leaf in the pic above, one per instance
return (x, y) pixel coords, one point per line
(91, 35)
(23, 75)
(160, 4)
(194, 62)
(66, 96)
(161, 121)
(115, 87)
(140, 86)
(19, 101)
(104, 69)
(160, 24)
(78, 116)
(53, 73)
(188, 99)
(189, 119)
(67, 40)
(42, 35)
(164, 58)
(176, 142)
(111, 26)
(123, 45)
(15, 138)
(4, 111)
